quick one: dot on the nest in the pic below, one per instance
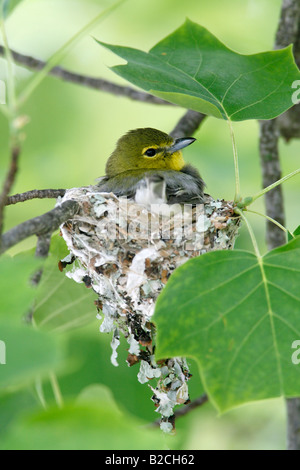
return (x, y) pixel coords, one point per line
(126, 253)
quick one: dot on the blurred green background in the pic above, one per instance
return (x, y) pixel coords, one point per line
(73, 130)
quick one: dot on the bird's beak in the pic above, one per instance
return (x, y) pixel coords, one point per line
(181, 143)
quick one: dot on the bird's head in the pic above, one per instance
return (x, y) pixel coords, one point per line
(147, 149)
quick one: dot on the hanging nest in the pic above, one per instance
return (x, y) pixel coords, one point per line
(126, 253)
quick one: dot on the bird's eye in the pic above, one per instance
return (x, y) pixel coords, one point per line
(150, 152)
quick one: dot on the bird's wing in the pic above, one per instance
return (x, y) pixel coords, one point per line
(185, 186)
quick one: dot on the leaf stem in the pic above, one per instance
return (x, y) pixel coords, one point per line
(236, 162)
(61, 52)
(56, 390)
(251, 233)
(273, 185)
(271, 220)
(40, 392)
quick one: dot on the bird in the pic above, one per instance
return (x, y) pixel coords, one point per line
(151, 190)
(145, 157)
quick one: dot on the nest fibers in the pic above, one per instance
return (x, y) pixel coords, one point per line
(126, 253)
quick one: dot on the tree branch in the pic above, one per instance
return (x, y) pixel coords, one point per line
(50, 221)
(293, 423)
(8, 183)
(43, 245)
(85, 80)
(35, 194)
(288, 32)
(42, 251)
(188, 124)
(185, 409)
(288, 27)
(43, 224)
(271, 172)
(191, 406)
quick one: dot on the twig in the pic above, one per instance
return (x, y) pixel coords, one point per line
(60, 53)
(293, 429)
(188, 124)
(41, 251)
(8, 183)
(35, 194)
(288, 32)
(191, 406)
(15, 147)
(297, 40)
(288, 27)
(186, 409)
(43, 245)
(271, 172)
(42, 224)
(85, 80)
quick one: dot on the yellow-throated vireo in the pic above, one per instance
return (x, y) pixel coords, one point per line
(147, 154)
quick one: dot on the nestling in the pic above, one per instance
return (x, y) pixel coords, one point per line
(143, 153)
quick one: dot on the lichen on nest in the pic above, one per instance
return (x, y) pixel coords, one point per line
(126, 253)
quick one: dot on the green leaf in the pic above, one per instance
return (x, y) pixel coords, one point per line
(193, 69)
(61, 303)
(89, 354)
(9, 6)
(24, 352)
(93, 423)
(238, 316)
(98, 394)
(295, 233)
(28, 353)
(13, 403)
(16, 293)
